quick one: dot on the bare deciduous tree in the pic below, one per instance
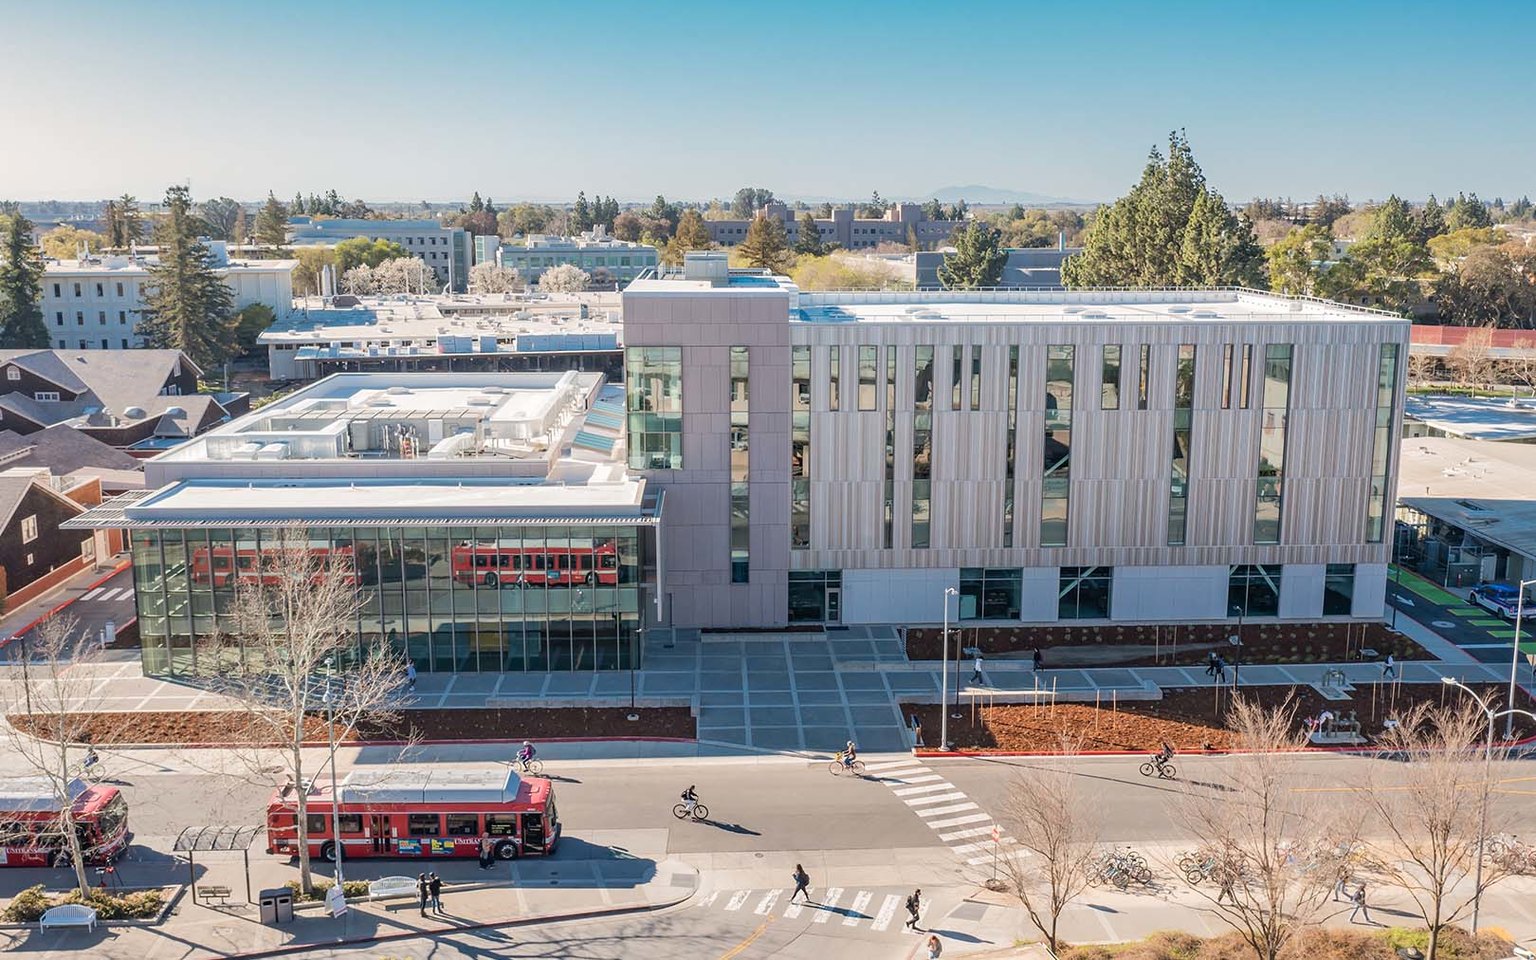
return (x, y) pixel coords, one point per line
(294, 657)
(1269, 838)
(1421, 366)
(1471, 361)
(1521, 365)
(1056, 827)
(55, 711)
(1429, 816)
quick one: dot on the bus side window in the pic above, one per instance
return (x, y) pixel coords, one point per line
(351, 822)
(501, 824)
(463, 825)
(318, 823)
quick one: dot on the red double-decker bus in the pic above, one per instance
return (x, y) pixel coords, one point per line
(494, 564)
(421, 810)
(31, 831)
(221, 565)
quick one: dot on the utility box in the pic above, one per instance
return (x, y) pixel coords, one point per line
(276, 905)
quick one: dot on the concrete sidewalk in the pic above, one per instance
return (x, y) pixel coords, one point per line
(538, 892)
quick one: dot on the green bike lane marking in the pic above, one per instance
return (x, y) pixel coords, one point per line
(1427, 589)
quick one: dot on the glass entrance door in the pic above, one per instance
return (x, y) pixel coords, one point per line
(834, 604)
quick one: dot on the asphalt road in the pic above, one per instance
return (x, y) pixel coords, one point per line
(112, 600)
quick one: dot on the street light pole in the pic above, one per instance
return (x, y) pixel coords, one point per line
(944, 675)
(330, 705)
(1514, 658)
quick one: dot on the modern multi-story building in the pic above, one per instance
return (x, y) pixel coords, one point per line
(902, 223)
(1122, 455)
(97, 303)
(606, 260)
(484, 516)
(464, 332)
(445, 249)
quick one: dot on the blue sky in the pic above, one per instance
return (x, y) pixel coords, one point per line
(397, 100)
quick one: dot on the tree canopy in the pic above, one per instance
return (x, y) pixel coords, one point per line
(272, 222)
(977, 261)
(809, 241)
(366, 251)
(691, 235)
(21, 286)
(187, 305)
(766, 245)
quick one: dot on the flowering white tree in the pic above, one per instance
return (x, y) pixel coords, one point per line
(566, 278)
(359, 281)
(493, 278)
(404, 275)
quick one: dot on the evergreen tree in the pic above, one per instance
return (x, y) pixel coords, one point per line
(691, 235)
(187, 305)
(766, 245)
(297, 209)
(1468, 211)
(241, 232)
(475, 203)
(1295, 260)
(933, 210)
(124, 223)
(809, 240)
(271, 223)
(977, 261)
(1140, 239)
(1520, 209)
(959, 211)
(581, 214)
(21, 287)
(1430, 219)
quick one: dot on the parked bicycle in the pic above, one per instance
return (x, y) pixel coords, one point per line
(1121, 868)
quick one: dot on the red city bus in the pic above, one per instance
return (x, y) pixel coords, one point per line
(492, 564)
(30, 832)
(220, 565)
(421, 810)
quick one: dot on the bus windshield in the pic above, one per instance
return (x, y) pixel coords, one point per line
(110, 822)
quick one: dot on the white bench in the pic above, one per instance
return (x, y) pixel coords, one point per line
(391, 887)
(69, 915)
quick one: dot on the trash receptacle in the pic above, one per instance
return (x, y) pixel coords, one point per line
(276, 905)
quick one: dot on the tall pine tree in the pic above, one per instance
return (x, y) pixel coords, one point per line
(766, 245)
(977, 261)
(271, 223)
(187, 305)
(21, 288)
(581, 214)
(809, 240)
(691, 235)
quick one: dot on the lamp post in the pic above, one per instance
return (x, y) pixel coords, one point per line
(1482, 821)
(944, 675)
(330, 707)
(1514, 658)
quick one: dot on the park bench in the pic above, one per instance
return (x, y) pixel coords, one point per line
(391, 887)
(1336, 738)
(214, 892)
(69, 915)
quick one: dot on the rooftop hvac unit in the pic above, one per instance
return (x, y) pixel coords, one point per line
(398, 391)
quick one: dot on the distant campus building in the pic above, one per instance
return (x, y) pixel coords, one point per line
(606, 260)
(445, 249)
(844, 229)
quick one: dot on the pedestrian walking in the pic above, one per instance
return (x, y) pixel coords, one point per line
(1221, 669)
(487, 851)
(802, 884)
(1228, 882)
(1340, 887)
(976, 671)
(435, 888)
(1359, 901)
(1389, 668)
(421, 891)
(914, 909)
(410, 676)
(1037, 661)
(1210, 664)
(917, 731)
(935, 948)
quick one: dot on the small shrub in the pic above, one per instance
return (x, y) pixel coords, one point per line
(353, 889)
(28, 906)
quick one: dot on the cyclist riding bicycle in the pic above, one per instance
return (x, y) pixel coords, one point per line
(526, 754)
(91, 758)
(850, 753)
(1162, 757)
(690, 798)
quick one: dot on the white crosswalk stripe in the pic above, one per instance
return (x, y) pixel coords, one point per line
(925, 788)
(793, 908)
(769, 899)
(737, 899)
(856, 908)
(893, 764)
(923, 778)
(885, 913)
(92, 594)
(956, 821)
(963, 834)
(112, 594)
(710, 898)
(936, 798)
(941, 811)
(829, 902)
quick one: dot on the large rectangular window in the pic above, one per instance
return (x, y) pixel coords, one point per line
(1083, 593)
(1109, 398)
(888, 534)
(815, 596)
(869, 362)
(990, 593)
(800, 448)
(653, 392)
(1381, 445)
(1056, 485)
(1339, 590)
(1269, 508)
(1143, 376)
(1245, 384)
(1226, 377)
(740, 497)
(976, 377)
(1183, 414)
(957, 377)
(922, 445)
(1253, 590)
(834, 377)
(1011, 454)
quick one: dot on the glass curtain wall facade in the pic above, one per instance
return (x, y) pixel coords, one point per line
(1269, 510)
(1183, 414)
(1381, 448)
(740, 499)
(800, 448)
(653, 390)
(1083, 593)
(1253, 590)
(1057, 485)
(473, 598)
(988, 593)
(922, 446)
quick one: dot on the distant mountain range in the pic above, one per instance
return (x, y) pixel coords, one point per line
(977, 193)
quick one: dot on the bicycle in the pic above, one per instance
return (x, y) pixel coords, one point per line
(534, 766)
(838, 767)
(1164, 770)
(699, 811)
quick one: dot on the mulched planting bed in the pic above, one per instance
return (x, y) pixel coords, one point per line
(226, 726)
(1168, 645)
(1190, 718)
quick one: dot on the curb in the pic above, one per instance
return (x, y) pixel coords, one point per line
(119, 568)
(230, 745)
(989, 754)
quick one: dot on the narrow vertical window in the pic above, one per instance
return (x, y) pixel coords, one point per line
(1010, 460)
(1381, 447)
(869, 361)
(1109, 398)
(1269, 510)
(835, 371)
(922, 445)
(740, 499)
(1183, 415)
(653, 392)
(888, 535)
(1056, 486)
(1246, 383)
(957, 378)
(976, 377)
(1226, 377)
(1143, 376)
(800, 448)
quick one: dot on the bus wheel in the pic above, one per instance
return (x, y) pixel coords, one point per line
(328, 851)
(591, 576)
(492, 580)
(506, 850)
